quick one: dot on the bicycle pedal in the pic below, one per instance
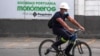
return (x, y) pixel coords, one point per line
(60, 54)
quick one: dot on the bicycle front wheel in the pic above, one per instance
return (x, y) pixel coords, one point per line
(81, 49)
(45, 48)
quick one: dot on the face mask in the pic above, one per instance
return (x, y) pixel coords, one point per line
(65, 13)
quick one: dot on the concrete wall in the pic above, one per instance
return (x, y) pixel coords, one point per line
(24, 28)
(30, 28)
(91, 24)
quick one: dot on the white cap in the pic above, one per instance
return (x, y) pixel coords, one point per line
(64, 5)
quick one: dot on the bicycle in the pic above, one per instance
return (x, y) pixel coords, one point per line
(79, 48)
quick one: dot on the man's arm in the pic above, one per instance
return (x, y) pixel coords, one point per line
(75, 23)
(64, 24)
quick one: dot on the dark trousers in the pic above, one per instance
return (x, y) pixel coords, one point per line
(66, 36)
(62, 32)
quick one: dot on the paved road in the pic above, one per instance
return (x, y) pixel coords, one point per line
(28, 46)
(31, 52)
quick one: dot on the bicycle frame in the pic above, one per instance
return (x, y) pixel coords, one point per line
(79, 47)
(79, 44)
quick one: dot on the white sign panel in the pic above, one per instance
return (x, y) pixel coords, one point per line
(31, 9)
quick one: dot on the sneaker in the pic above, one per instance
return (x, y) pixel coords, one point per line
(55, 48)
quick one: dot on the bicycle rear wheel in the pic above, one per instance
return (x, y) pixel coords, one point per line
(81, 49)
(45, 48)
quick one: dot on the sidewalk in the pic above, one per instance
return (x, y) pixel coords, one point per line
(33, 42)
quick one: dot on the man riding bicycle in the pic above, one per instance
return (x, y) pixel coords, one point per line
(61, 28)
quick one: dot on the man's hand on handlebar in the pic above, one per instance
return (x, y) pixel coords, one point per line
(82, 28)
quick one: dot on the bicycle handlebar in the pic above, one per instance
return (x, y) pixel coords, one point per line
(77, 30)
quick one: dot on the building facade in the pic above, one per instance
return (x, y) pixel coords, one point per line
(87, 12)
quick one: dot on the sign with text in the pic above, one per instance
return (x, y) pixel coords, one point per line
(31, 9)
